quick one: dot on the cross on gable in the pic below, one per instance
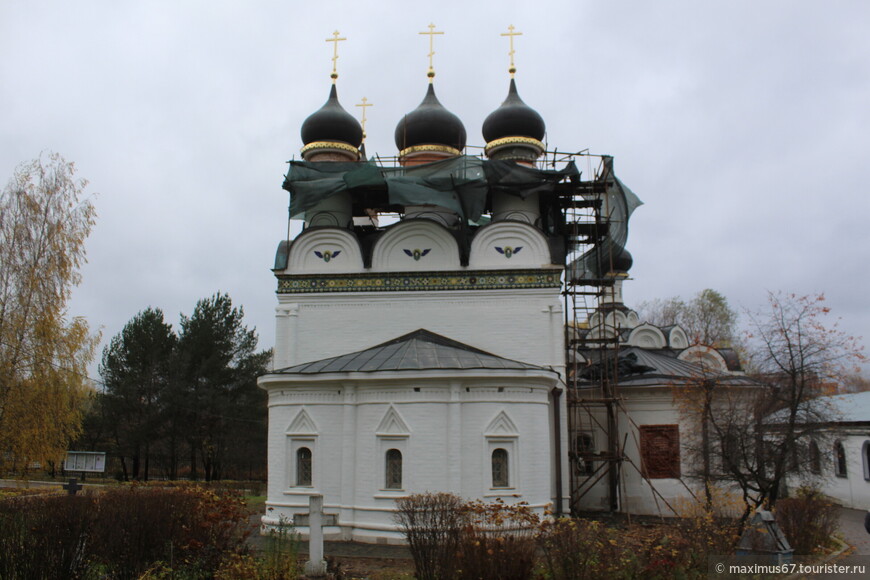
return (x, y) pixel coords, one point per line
(72, 486)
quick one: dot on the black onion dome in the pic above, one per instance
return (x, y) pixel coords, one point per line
(332, 123)
(609, 258)
(430, 124)
(513, 118)
(622, 260)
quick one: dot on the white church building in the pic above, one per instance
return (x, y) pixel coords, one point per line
(429, 354)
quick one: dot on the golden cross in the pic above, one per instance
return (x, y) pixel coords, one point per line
(335, 40)
(365, 103)
(431, 33)
(510, 34)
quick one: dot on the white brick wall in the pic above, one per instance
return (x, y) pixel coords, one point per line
(524, 325)
(446, 447)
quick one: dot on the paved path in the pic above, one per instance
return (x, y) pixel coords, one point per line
(852, 529)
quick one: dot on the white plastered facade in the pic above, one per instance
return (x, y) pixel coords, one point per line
(446, 424)
(849, 487)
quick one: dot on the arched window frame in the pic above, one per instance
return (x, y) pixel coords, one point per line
(381, 479)
(294, 479)
(501, 433)
(393, 469)
(511, 446)
(815, 458)
(304, 467)
(840, 464)
(302, 432)
(500, 461)
(729, 452)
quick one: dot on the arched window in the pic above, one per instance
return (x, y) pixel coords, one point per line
(303, 466)
(840, 459)
(585, 454)
(500, 468)
(729, 453)
(393, 469)
(815, 458)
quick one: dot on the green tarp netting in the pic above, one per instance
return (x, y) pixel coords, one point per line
(459, 183)
(618, 203)
(462, 184)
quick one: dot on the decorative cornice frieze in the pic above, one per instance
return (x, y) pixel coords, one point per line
(419, 281)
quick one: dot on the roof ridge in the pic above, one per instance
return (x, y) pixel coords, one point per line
(407, 352)
(434, 337)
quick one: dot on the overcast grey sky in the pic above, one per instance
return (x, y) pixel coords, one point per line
(743, 126)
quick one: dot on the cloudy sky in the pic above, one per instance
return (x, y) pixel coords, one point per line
(743, 126)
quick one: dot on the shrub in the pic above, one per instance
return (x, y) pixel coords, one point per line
(247, 567)
(121, 533)
(449, 539)
(700, 532)
(280, 559)
(185, 526)
(432, 523)
(46, 536)
(808, 520)
(575, 549)
(497, 541)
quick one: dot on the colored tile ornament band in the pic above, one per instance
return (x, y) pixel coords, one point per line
(419, 281)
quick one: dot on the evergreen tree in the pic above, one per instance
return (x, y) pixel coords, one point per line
(136, 373)
(215, 391)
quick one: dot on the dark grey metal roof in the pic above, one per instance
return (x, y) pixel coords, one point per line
(664, 365)
(648, 364)
(415, 351)
(732, 359)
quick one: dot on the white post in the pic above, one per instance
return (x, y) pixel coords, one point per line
(316, 565)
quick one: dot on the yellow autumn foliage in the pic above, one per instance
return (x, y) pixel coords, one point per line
(44, 221)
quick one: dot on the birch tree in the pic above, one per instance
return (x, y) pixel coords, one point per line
(44, 352)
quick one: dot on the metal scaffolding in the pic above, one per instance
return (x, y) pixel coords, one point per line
(591, 411)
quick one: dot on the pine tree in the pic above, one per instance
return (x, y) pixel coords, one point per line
(136, 373)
